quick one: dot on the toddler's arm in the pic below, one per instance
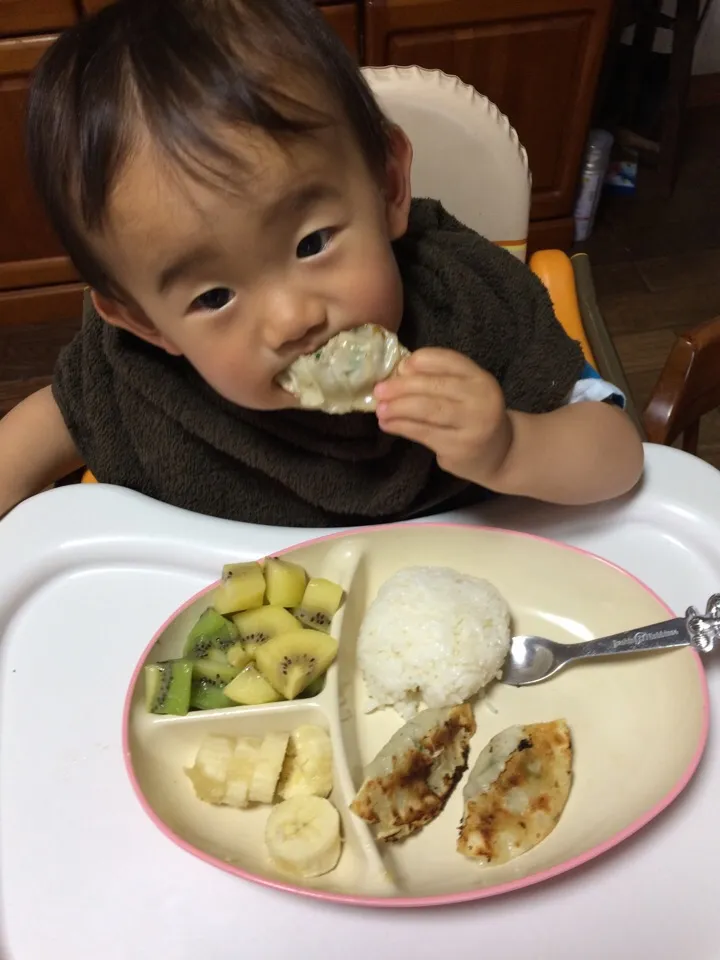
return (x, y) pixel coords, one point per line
(584, 452)
(581, 453)
(36, 449)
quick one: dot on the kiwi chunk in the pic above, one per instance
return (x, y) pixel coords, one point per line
(207, 695)
(214, 671)
(285, 582)
(250, 688)
(238, 656)
(314, 688)
(256, 627)
(292, 661)
(167, 686)
(242, 588)
(320, 602)
(210, 637)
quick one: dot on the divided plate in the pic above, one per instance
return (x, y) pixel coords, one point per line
(638, 723)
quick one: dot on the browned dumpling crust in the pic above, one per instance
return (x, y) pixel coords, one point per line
(516, 792)
(410, 780)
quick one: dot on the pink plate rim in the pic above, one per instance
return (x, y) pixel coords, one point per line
(441, 899)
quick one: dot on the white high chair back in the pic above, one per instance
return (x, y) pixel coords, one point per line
(466, 154)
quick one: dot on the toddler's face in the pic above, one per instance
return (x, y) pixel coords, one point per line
(243, 281)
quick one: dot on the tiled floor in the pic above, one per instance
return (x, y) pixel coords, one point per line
(656, 264)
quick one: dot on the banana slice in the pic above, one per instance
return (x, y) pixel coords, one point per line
(303, 836)
(210, 771)
(268, 765)
(307, 770)
(240, 771)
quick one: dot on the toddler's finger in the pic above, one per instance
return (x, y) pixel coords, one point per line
(421, 385)
(439, 412)
(438, 361)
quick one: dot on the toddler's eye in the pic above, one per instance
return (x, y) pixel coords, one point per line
(214, 299)
(313, 244)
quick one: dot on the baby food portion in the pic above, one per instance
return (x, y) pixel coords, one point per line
(516, 792)
(236, 772)
(302, 836)
(432, 636)
(340, 376)
(248, 648)
(308, 766)
(409, 781)
(302, 833)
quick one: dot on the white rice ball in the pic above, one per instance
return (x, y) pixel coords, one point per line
(432, 636)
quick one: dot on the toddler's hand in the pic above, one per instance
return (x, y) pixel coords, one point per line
(446, 402)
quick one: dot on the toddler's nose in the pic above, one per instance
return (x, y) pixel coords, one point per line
(290, 319)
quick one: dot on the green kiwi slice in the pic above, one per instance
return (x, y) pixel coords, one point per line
(206, 695)
(167, 686)
(211, 637)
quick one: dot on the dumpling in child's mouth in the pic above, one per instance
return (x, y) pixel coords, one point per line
(340, 377)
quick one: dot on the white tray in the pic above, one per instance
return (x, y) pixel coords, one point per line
(88, 574)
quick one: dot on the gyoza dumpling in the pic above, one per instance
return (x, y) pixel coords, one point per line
(340, 377)
(407, 784)
(516, 792)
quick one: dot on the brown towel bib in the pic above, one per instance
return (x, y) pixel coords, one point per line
(145, 420)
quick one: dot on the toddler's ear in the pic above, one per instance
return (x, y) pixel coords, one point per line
(132, 319)
(398, 192)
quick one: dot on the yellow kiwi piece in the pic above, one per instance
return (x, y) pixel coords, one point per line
(250, 688)
(292, 661)
(238, 656)
(256, 627)
(285, 582)
(320, 602)
(242, 588)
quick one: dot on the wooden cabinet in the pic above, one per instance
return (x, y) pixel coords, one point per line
(30, 255)
(34, 326)
(92, 6)
(344, 19)
(537, 59)
(20, 17)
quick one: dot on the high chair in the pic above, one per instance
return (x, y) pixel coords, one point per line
(467, 155)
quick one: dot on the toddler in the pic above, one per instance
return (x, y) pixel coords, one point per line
(233, 196)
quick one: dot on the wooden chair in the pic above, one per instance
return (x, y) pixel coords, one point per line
(685, 23)
(687, 389)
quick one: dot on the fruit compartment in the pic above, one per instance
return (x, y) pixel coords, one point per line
(336, 563)
(162, 749)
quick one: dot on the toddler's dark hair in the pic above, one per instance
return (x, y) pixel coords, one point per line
(182, 70)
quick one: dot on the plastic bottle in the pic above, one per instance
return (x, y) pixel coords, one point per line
(597, 158)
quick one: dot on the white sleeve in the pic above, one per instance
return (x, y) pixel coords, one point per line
(591, 386)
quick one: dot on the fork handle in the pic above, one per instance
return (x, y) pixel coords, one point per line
(657, 636)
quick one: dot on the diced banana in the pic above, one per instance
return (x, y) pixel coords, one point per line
(240, 772)
(210, 770)
(303, 836)
(307, 770)
(268, 765)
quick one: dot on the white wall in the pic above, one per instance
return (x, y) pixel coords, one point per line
(707, 51)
